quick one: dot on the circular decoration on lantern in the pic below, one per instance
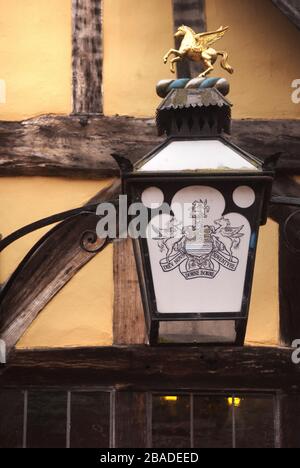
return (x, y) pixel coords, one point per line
(152, 197)
(243, 196)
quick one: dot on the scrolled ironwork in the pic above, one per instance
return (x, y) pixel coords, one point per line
(89, 240)
(91, 243)
(25, 230)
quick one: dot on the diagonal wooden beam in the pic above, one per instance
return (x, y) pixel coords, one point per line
(87, 56)
(291, 9)
(46, 270)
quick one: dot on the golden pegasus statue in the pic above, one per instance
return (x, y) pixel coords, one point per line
(196, 47)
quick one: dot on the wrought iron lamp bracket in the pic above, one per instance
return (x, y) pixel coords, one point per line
(87, 241)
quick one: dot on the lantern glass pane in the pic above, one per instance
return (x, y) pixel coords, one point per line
(222, 331)
(199, 253)
(198, 155)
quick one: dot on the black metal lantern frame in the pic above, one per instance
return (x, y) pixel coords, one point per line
(134, 184)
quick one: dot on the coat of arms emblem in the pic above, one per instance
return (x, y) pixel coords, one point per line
(199, 250)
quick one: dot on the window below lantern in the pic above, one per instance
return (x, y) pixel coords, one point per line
(99, 418)
(214, 421)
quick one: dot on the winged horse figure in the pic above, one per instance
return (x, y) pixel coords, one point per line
(196, 47)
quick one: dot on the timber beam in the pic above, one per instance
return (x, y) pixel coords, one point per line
(144, 368)
(82, 146)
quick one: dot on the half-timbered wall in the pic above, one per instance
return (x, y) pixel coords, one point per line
(37, 69)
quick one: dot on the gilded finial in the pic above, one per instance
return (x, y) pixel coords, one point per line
(197, 48)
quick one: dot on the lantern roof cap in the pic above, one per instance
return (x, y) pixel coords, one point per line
(186, 98)
(202, 112)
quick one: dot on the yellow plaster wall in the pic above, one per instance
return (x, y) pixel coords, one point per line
(81, 314)
(24, 200)
(263, 324)
(264, 50)
(137, 34)
(35, 57)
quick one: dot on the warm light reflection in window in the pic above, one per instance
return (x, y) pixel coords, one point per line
(234, 401)
(170, 398)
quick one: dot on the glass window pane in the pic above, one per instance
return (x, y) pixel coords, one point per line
(254, 420)
(132, 420)
(212, 422)
(290, 421)
(11, 418)
(90, 420)
(47, 419)
(171, 421)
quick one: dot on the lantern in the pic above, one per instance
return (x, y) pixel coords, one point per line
(206, 199)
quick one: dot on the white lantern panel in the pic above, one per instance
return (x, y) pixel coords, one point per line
(197, 155)
(199, 257)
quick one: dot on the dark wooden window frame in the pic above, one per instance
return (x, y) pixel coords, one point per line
(132, 374)
(291, 9)
(273, 397)
(129, 420)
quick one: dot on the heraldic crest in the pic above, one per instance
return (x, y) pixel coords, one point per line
(199, 250)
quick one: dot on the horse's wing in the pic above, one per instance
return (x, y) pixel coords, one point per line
(233, 232)
(238, 229)
(237, 236)
(205, 40)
